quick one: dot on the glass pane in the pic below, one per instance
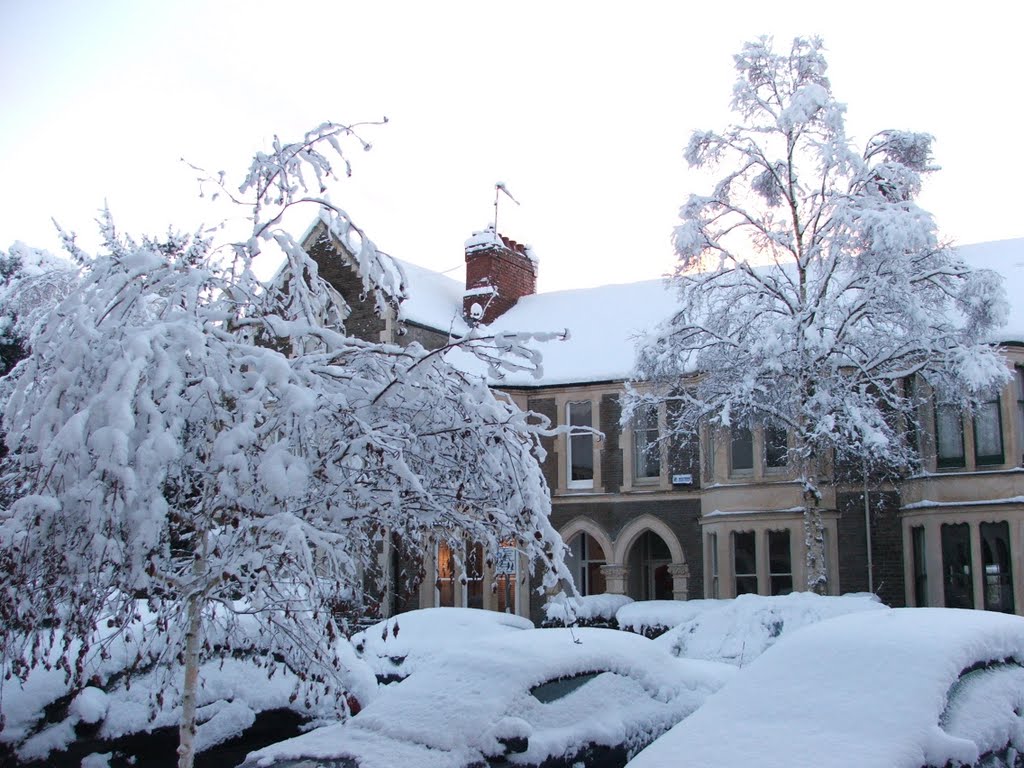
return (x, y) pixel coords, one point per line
(774, 446)
(917, 536)
(506, 572)
(445, 575)
(780, 562)
(475, 576)
(988, 434)
(713, 559)
(1020, 409)
(957, 570)
(745, 562)
(949, 436)
(646, 452)
(742, 449)
(995, 554)
(581, 447)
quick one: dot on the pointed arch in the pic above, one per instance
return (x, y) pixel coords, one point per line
(588, 526)
(636, 528)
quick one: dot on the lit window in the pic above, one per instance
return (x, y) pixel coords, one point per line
(646, 448)
(988, 433)
(445, 583)
(581, 446)
(742, 449)
(949, 437)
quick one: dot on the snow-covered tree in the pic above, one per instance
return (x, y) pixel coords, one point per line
(812, 287)
(216, 459)
(32, 282)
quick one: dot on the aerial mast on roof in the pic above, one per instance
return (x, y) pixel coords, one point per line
(500, 187)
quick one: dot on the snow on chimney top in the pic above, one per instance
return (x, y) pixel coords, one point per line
(499, 271)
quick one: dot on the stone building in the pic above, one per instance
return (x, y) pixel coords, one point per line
(718, 516)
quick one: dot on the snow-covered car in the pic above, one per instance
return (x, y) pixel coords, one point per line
(738, 630)
(897, 688)
(396, 647)
(557, 697)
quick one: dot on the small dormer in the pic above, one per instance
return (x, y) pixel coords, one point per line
(499, 271)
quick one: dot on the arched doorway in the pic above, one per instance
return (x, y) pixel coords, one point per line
(649, 577)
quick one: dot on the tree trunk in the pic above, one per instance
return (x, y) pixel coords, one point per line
(814, 545)
(187, 727)
(814, 529)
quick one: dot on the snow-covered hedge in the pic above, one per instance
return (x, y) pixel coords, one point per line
(653, 618)
(589, 611)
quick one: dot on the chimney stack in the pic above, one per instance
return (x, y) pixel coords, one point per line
(499, 271)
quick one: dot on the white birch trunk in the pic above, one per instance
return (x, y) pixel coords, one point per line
(187, 727)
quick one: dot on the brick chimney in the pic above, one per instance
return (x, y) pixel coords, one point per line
(499, 271)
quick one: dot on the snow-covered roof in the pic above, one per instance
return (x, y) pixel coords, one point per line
(605, 322)
(434, 300)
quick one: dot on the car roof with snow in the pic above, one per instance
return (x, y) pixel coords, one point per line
(464, 705)
(396, 646)
(868, 689)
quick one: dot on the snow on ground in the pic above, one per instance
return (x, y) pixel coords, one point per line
(865, 689)
(738, 631)
(398, 646)
(451, 712)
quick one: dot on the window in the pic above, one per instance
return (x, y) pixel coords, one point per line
(917, 537)
(712, 539)
(780, 562)
(949, 437)
(581, 446)
(646, 448)
(988, 433)
(475, 576)
(1019, 381)
(445, 583)
(506, 572)
(742, 453)
(995, 554)
(775, 447)
(957, 570)
(584, 560)
(744, 562)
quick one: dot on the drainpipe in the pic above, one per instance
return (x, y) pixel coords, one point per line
(867, 529)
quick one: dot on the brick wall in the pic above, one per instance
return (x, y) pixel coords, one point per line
(508, 270)
(611, 454)
(363, 322)
(886, 545)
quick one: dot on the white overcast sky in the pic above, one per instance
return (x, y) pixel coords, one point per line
(581, 108)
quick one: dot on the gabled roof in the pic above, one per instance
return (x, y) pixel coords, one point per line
(605, 322)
